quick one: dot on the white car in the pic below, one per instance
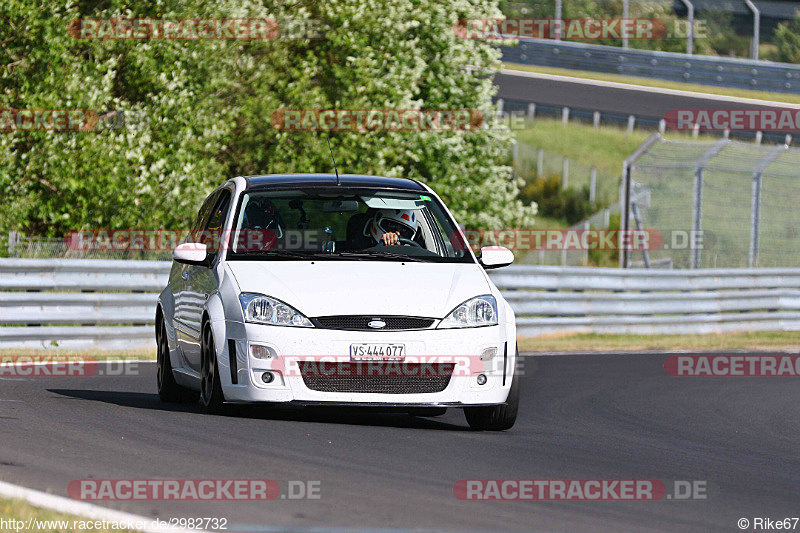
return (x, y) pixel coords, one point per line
(346, 290)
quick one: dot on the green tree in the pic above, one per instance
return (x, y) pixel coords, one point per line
(198, 112)
(787, 39)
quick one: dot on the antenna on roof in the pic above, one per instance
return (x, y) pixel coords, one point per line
(327, 138)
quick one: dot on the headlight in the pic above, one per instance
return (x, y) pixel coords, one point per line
(479, 311)
(260, 309)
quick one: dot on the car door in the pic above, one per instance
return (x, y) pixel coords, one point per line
(202, 281)
(180, 286)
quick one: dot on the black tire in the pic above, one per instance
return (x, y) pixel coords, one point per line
(211, 395)
(168, 390)
(427, 411)
(495, 417)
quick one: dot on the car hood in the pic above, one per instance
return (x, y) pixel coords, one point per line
(377, 288)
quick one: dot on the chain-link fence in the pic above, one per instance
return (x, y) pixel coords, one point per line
(531, 162)
(717, 204)
(44, 248)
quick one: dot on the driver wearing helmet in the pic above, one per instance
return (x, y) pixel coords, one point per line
(389, 226)
(263, 223)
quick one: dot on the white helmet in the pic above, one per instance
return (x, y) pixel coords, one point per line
(403, 221)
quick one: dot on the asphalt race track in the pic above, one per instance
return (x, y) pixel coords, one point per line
(645, 102)
(581, 417)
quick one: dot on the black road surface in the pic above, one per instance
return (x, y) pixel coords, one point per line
(578, 94)
(581, 417)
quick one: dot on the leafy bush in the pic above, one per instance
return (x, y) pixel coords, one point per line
(570, 205)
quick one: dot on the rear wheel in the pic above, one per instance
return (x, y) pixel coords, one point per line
(211, 395)
(168, 389)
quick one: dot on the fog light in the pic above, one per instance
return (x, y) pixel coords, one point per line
(488, 353)
(267, 377)
(482, 379)
(261, 352)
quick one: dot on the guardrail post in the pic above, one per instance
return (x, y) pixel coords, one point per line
(592, 184)
(514, 158)
(662, 126)
(565, 115)
(690, 30)
(13, 241)
(788, 139)
(558, 20)
(759, 136)
(756, 29)
(539, 163)
(564, 173)
(596, 120)
(586, 228)
(625, 15)
(631, 122)
(500, 105)
(531, 111)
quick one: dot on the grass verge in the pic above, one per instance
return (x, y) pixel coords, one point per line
(22, 511)
(605, 147)
(98, 355)
(591, 342)
(663, 84)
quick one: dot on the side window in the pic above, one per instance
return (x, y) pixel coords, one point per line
(202, 215)
(213, 228)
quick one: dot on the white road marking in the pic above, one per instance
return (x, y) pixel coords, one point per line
(659, 90)
(73, 507)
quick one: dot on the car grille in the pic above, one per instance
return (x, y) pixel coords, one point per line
(376, 377)
(359, 322)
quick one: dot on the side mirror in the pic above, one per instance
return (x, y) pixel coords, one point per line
(495, 257)
(191, 253)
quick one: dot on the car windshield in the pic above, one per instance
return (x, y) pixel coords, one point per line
(345, 225)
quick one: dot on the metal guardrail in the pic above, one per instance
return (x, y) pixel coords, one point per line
(119, 312)
(706, 70)
(608, 300)
(79, 303)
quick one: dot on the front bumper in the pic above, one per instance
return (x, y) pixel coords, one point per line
(290, 345)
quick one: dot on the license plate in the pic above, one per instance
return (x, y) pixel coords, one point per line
(377, 352)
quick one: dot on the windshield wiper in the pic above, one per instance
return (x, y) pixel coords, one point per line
(285, 254)
(379, 253)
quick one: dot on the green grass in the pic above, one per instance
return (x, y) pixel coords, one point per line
(605, 148)
(664, 84)
(761, 340)
(99, 355)
(21, 510)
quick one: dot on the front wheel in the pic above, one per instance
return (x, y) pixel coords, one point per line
(495, 417)
(211, 395)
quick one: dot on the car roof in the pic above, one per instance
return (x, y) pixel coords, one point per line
(327, 180)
